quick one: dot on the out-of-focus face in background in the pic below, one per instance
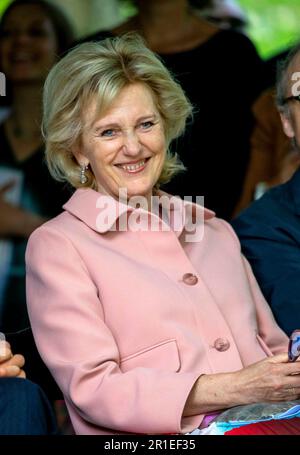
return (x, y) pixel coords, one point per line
(226, 14)
(28, 45)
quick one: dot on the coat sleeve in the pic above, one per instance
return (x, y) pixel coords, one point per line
(69, 327)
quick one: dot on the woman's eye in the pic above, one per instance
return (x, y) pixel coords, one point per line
(108, 133)
(146, 125)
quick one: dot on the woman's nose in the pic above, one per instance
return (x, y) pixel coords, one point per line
(132, 144)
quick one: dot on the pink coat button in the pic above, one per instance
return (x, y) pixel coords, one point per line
(190, 279)
(221, 344)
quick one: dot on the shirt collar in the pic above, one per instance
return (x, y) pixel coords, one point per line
(101, 212)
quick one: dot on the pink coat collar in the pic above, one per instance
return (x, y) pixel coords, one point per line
(88, 206)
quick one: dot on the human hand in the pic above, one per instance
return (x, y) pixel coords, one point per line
(10, 365)
(270, 380)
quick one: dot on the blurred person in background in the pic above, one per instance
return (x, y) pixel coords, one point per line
(269, 230)
(273, 159)
(32, 36)
(24, 408)
(33, 33)
(273, 156)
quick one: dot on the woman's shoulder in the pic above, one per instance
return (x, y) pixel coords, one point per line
(57, 227)
(219, 230)
(77, 211)
(52, 243)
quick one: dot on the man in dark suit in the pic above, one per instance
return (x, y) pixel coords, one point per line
(24, 408)
(269, 230)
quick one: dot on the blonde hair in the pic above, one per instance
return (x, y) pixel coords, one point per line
(103, 69)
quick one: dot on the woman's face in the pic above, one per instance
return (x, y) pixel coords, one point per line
(28, 45)
(126, 146)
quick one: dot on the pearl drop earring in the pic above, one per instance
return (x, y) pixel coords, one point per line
(83, 177)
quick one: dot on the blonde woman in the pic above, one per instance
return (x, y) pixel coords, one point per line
(141, 303)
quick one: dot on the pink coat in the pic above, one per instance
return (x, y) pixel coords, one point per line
(123, 328)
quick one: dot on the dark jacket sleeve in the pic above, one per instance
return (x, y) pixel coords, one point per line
(269, 233)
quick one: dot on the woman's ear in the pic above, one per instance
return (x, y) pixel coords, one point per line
(287, 124)
(79, 156)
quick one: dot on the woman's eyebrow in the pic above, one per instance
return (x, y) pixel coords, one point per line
(102, 126)
(106, 125)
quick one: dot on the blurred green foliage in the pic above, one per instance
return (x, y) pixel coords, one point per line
(274, 24)
(127, 8)
(3, 5)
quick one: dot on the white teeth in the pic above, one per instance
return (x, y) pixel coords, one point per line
(133, 167)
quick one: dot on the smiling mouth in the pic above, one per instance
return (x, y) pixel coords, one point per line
(134, 168)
